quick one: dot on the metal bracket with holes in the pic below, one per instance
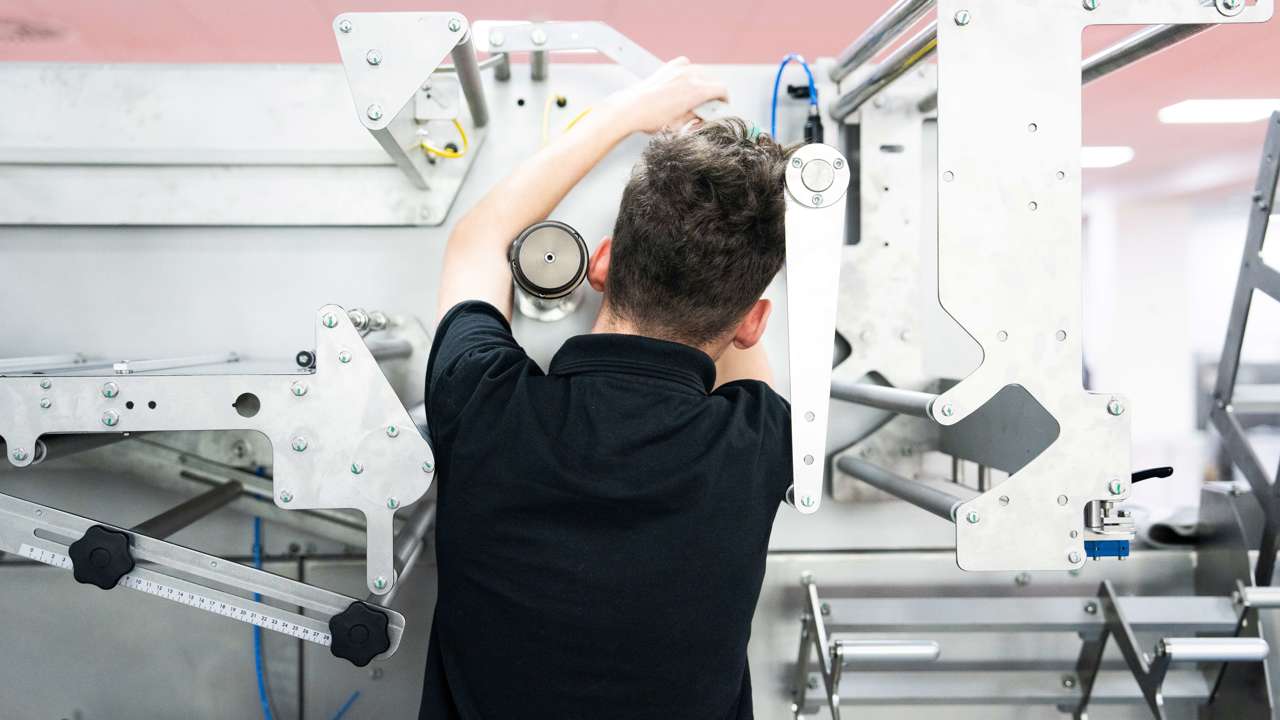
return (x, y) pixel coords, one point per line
(340, 435)
(817, 180)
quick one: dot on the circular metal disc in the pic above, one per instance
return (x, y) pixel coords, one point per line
(550, 259)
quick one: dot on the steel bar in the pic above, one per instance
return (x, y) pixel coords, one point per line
(903, 402)
(390, 349)
(855, 652)
(922, 496)
(129, 367)
(30, 364)
(880, 35)
(60, 446)
(468, 70)
(171, 521)
(410, 541)
(1124, 53)
(911, 54)
(1189, 650)
(1262, 598)
(492, 61)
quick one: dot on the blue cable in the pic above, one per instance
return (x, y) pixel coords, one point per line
(777, 80)
(347, 706)
(258, 661)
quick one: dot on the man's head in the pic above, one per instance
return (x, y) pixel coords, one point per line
(699, 236)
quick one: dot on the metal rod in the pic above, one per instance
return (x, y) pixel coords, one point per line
(1260, 597)
(984, 478)
(502, 71)
(128, 367)
(174, 519)
(390, 349)
(853, 652)
(1213, 649)
(882, 32)
(493, 61)
(1124, 53)
(539, 65)
(60, 446)
(30, 364)
(903, 402)
(468, 70)
(410, 541)
(911, 54)
(922, 496)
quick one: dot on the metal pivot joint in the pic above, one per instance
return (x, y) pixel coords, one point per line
(817, 179)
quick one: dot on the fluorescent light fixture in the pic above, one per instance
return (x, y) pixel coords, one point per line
(1105, 156)
(1223, 110)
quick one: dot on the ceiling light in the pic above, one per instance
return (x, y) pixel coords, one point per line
(1224, 110)
(1105, 156)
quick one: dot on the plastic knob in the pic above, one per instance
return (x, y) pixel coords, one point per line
(101, 557)
(360, 633)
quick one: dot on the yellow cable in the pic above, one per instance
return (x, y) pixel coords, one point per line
(575, 120)
(546, 118)
(445, 153)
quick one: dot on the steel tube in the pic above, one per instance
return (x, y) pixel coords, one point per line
(911, 54)
(60, 446)
(390, 349)
(903, 402)
(882, 32)
(922, 496)
(853, 652)
(1124, 53)
(468, 70)
(1263, 598)
(410, 541)
(1214, 649)
(174, 519)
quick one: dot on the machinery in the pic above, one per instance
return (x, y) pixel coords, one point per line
(932, 289)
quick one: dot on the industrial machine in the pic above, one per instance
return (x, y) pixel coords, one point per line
(932, 290)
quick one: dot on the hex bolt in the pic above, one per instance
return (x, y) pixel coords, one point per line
(330, 320)
(826, 609)
(538, 37)
(1062, 500)
(963, 17)
(427, 466)
(46, 384)
(1068, 682)
(393, 503)
(455, 24)
(817, 199)
(299, 444)
(807, 501)
(379, 582)
(344, 25)
(838, 163)
(110, 418)
(110, 390)
(298, 388)
(1115, 407)
(496, 38)
(1004, 500)
(947, 410)
(344, 357)
(46, 403)
(356, 468)
(374, 112)
(1090, 5)
(1091, 608)
(796, 162)
(286, 496)
(1115, 487)
(393, 431)
(20, 454)
(1073, 556)
(373, 57)
(973, 517)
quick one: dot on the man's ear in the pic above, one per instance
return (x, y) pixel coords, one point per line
(752, 325)
(598, 267)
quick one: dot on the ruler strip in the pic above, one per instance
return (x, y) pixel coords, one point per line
(190, 599)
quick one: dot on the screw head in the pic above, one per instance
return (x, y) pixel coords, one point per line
(817, 199)
(298, 388)
(1115, 487)
(46, 403)
(373, 57)
(973, 517)
(1090, 5)
(1022, 579)
(808, 501)
(286, 496)
(375, 113)
(1091, 608)
(20, 454)
(1073, 556)
(110, 418)
(796, 162)
(1062, 500)
(496, 39)
(110, 390)
(344, 357)
(299, 444)
(393, 431)
(455, 24)
(1004, 500)
(963, 17)
(329, 319)
(356, 468)
(1068, 682)
(838, 163)
(947, 410)
(393, 503)
(1115, 407)
(380, 582)
(427, 466)
(46, 384)
(344, 25)
(538, 37)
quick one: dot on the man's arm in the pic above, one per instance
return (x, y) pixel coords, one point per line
(475, 258)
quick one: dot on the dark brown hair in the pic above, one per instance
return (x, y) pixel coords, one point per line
(700, 231)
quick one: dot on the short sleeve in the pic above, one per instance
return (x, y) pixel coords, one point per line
(473, 352)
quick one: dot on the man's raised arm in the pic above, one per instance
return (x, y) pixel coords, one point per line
(475, 259)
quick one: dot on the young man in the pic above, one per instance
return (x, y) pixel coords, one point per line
(602, 528)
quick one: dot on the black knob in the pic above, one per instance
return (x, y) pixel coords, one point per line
(305, 359)
(101, 557)
(360, 633)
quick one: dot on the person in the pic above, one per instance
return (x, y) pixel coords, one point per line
(602, 527)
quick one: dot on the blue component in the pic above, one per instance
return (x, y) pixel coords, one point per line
(777, 81)
(1106, 548)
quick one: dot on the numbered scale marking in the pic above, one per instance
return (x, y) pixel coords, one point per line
(225, 609)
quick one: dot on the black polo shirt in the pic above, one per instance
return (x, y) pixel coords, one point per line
(602, 528)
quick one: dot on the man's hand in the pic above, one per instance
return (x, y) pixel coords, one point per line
(666, 98)
(475, 259)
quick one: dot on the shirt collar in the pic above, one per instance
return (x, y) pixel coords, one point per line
(636, 355)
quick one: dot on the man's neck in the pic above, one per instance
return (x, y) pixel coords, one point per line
(607, 322)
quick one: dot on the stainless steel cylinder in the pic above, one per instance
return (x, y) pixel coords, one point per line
(548, 264)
